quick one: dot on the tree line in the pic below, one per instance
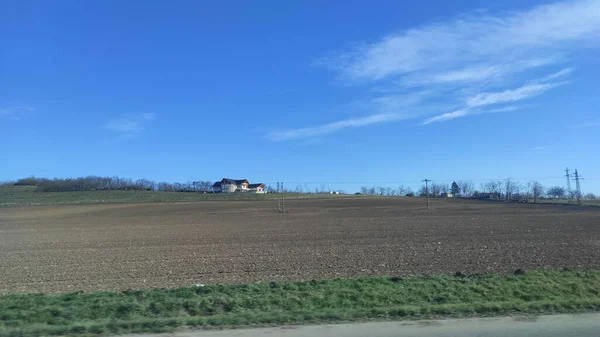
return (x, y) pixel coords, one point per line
(96, 183)
(507, 189)
(387, 191)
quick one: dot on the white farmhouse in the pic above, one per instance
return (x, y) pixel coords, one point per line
(227, 185)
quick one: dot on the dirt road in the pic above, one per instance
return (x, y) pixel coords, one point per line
(586, 325)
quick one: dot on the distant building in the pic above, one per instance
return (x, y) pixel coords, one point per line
(493, 196)
(257, 188)
(227, 185)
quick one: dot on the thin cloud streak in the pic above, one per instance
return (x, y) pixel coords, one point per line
(14, 112)
(587, 125)
(473, 104)
(507, 96)
(475, 74)
(466, 112)
(561, 73)
(447, 116)
(125, 125)
(148, 115)
(332, 127)
(129, 125)
(538, 148)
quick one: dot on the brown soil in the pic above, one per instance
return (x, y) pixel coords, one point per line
(93, 247)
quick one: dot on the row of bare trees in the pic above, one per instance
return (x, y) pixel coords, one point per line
(95, 183)
(387, 191)
(506, 189)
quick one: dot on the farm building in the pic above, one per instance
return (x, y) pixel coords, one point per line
(257, 188)
(493, 196)
(227, 185)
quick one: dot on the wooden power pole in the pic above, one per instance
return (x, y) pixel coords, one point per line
(427, 191)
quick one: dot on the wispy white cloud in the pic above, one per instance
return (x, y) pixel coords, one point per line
(332, 127)
(384, 108)
(125, 125)
(129, 125)
(512, 95)
(504, 109)
(467, 112)
(587, 125)
(475, 73)
(466, 64)
(473, 105)
(148, 115)
(448, 116)
(538, 147)
(543, 30)
(561, 73)
(14, 112)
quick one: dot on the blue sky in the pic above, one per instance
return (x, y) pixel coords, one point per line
(339, 92)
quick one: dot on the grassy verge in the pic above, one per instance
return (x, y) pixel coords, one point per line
(298, 302)
(17, 196)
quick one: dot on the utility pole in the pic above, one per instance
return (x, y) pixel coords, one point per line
(282, 199)
(568, 183)
(278, 199)
(577, 186)
(427, 191)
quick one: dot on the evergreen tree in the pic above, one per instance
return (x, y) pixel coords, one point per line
(454, 189)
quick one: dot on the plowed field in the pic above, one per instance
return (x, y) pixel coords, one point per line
(91, 247)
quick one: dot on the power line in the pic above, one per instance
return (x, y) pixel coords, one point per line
(411, 181)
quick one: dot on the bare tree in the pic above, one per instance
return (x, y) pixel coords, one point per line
(306, 188)
(492, 186)
(364, 190)
(484, 187)
(423, 191)
(511, 189)
(528, 191)
(380, 190)
(402, 190)
(467, 188)
(590, 196)
(163, 186)
(537, 190)
(556, 192)
(436, 189)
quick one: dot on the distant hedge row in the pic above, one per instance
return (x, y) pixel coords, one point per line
(94, 183)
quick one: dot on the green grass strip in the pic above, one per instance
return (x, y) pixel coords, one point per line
(162, 310)
(20, 196)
